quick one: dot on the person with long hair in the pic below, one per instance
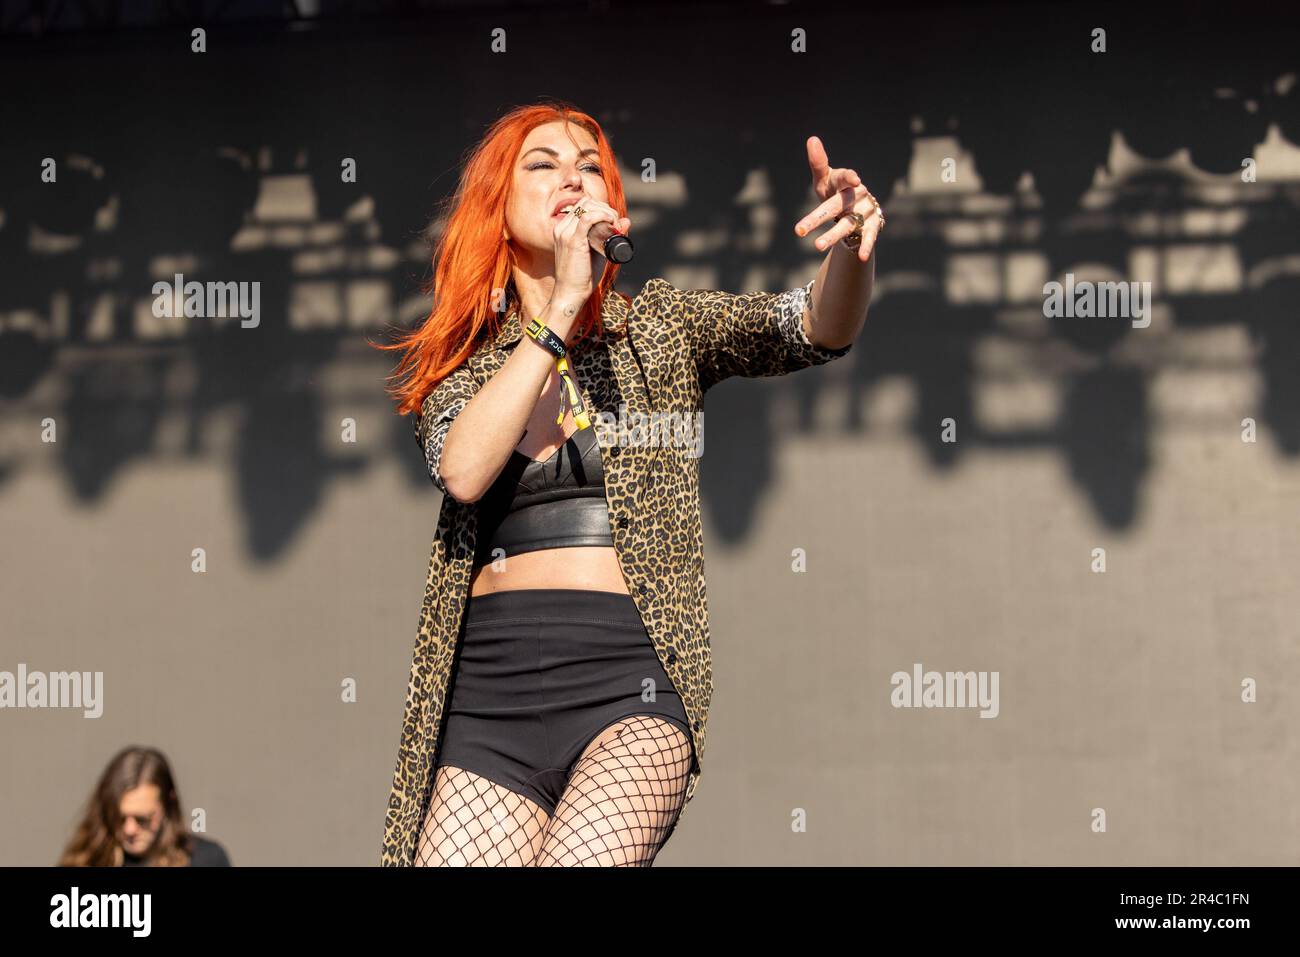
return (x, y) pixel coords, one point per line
(559, 690)
(133, 819)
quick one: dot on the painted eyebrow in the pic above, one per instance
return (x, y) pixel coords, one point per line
(547, 149)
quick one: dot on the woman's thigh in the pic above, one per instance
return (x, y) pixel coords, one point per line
(474, 822)
(623, 798)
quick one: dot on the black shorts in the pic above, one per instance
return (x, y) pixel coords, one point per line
(539, 673)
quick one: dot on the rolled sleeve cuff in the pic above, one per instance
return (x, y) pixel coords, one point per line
(435, 437)
(789, 320)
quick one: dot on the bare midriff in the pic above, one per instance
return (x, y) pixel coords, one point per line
(592, 567)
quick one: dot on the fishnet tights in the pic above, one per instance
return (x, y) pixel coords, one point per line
(621, 802)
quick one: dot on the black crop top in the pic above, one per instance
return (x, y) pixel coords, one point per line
(553, 504)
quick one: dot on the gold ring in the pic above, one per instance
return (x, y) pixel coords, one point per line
(854, 239)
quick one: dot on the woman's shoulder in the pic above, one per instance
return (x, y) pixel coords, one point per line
(654, 287)
(654, 298)
(671, 300)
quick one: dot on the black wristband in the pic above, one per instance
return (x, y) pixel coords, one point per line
(542, 334)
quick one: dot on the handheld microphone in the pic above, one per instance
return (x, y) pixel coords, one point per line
(615, 247)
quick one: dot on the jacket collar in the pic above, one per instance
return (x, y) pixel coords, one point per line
(511, 329)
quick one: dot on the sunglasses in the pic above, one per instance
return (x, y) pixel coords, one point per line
(145, 821)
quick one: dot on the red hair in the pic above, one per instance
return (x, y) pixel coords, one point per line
(472, 261)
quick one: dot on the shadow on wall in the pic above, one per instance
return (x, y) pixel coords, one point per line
(1125, 166)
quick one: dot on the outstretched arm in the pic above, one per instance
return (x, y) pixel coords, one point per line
(842, 292)
(772, 334)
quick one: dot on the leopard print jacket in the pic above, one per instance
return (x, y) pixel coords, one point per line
(659, 351)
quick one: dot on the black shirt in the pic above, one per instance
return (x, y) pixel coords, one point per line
(203, 853)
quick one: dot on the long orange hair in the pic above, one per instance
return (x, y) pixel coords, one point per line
(471, 259)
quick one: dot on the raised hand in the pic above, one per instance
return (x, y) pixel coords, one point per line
(575, 260)
(843, 194)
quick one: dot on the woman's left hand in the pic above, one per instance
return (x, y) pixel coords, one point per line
(842, 192)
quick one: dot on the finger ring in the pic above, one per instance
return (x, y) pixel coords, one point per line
(578, 211)
(854, 239)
